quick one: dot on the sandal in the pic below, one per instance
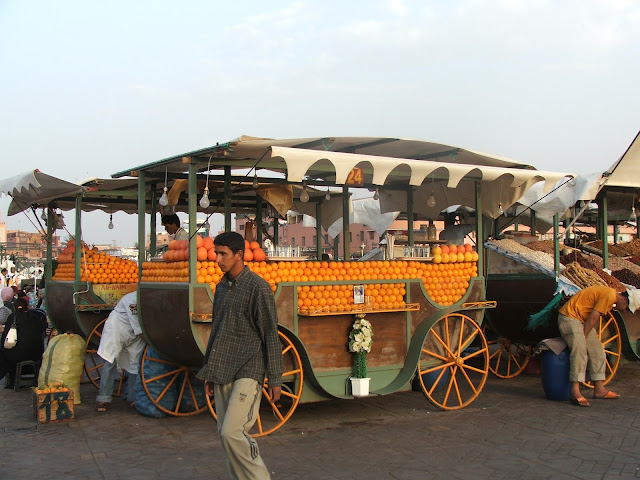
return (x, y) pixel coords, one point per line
(607, 396)
(102, 407)
(580, 402)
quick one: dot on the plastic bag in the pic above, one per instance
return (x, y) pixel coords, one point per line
(63, 361)
(12, 338)
(153, 369)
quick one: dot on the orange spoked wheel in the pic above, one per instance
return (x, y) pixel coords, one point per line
(454, 362)
(273, 415)
(506, 359)
(609, 335)
(189, 400)
(93, 362)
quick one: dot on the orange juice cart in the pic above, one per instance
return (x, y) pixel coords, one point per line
(426, 312)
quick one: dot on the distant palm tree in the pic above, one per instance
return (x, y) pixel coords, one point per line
(67, 239)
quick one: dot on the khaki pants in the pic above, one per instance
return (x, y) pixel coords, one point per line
(237, 405)
(584, 351)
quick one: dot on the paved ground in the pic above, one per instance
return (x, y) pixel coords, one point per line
(510, 432)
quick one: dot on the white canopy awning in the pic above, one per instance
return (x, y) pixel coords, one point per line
(626, 171)
(35, 188)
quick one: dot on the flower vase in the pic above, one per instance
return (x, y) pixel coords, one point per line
(360, 387)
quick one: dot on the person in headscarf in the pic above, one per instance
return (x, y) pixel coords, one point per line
(7, 306)
(30, 344)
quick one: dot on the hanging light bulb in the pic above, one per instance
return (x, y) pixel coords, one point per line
(376, 195)
(204, 201)
(164, 199)
(255, 180)
(44, 215)
(431, 201)
(500, 209)
(110, 222)
(328, 195)
(304, 196)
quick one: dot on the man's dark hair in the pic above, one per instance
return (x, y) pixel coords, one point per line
(171, 219)
(4, 270)
(232, 240)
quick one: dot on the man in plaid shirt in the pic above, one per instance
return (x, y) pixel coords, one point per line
(243, 349)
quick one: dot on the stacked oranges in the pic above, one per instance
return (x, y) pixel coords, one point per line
(96, 267)
(165, 271)
(454, 253)
(445, 282)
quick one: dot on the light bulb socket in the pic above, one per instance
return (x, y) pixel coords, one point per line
(255, 180)
(376, 195)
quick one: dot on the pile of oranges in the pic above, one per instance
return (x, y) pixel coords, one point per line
(51, 388)
(165, 271)
(454, 253)
(96, 267)
(444, 281)
(340, 298)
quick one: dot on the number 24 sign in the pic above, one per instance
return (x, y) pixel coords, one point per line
(355, 177)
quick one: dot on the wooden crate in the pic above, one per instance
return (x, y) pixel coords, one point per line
(53, 407)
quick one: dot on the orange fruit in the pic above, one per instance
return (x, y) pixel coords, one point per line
(211, 254)
(253, 245)
(202, 254)
(248, 255)
(259, 255)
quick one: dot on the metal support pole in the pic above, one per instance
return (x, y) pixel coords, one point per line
(49, 265)
(153, 225)
(192, 202)
(346, 237)
(479, 229)
(142, 255)
(319, 230)
(227, 198)
(78, 236)
(533, 222)
(410, 216)
(276, 229)
(556, 245)
(259, 221)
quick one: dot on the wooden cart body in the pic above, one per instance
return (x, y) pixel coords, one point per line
(321, 339)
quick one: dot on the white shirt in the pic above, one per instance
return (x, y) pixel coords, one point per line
(181, 234)
(120, 341)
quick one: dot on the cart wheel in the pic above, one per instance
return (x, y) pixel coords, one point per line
(272, 416)
(182, 376)
(609, 335)
(454, 363)
(93, 362)
(506, 359)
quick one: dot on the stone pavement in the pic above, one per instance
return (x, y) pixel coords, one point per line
(510, 432)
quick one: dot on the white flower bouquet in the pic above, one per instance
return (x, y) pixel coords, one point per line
(360, 341)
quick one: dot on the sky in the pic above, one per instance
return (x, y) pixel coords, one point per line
(89, 89)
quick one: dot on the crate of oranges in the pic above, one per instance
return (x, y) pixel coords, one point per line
(53, 403)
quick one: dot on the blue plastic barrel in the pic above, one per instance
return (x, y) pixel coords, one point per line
(555, 375)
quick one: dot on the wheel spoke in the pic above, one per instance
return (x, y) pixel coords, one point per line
(445, 345)
(434, 355)
(433, 369)
(164, 375)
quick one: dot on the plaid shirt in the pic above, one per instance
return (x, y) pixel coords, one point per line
(244, 339)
